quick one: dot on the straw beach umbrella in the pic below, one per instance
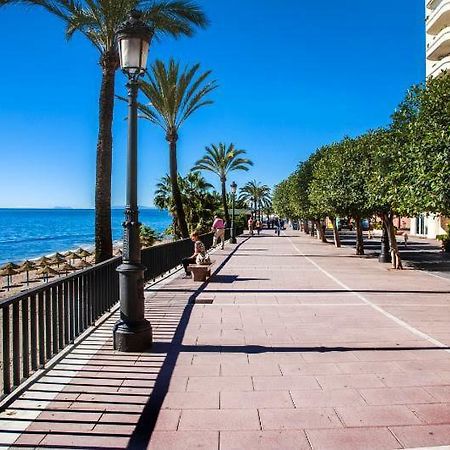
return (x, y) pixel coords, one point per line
(9, 265)
(46, 271)
(72, 256)
(26, 266)
(83, 264)
(57, 259)
(67, 268)
(43, 261)
(8, 272)
(83, 253)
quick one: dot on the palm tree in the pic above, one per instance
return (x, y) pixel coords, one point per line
(221, 160)
(98, 21)
(199, 203)
(174, 96)
(256, 195)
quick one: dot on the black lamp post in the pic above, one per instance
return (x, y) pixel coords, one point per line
(233, 197)
(132, 333)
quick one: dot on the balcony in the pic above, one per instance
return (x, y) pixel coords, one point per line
(439, 18)
(433, 4)
(439, 66)
(439, 47)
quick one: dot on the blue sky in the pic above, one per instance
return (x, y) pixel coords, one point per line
(293, 75)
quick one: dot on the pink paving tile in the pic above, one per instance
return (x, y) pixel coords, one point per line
(422, 435)
(438, 413)
(415, 378)
(382, 367)
(256, 400)
(440, 393)
(83, 442)
(216, 384)
(349, 381)
(48, 426)
(29, 439)
(182, 440)
(298, 419)
(263, 440)
(377, 416)
(283, 383)
(226, 419)
(198, 370)
(330, 357)
(396, 396)
(309, 368)
(191, 400)
(327, 398)
(351, 439)
(246, 369)
(168, 420)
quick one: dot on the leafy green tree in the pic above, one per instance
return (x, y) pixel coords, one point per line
(174, 96)
(221, 160)
(98, 21)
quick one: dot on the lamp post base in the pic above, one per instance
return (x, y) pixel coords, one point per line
(132, 337)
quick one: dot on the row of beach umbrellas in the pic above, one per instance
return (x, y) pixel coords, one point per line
(43, 266)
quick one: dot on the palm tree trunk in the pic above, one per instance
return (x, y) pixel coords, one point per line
(181, 217)
(103, 235)
(224, 201)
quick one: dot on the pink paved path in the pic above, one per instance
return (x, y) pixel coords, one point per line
(292, 345)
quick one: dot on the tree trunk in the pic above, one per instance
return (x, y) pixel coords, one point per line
(223, 181)
(359, 236)
(306, 227)
(395, 254)
(109, 63)
(172, 138)
(337, 239)
(312, 230)
(320, 231)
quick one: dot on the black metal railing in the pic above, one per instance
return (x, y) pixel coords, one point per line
(40, 322)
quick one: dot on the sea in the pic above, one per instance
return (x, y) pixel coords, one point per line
(31, 233)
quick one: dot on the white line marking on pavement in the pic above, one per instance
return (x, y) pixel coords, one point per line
(398, 321)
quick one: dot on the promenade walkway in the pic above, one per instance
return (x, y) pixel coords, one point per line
(293, 344)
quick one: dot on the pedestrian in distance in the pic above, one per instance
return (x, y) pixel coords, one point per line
(198, 257)
(277, 224)
(218, 227)
(258, 226)
(405, 238)
(250, 226)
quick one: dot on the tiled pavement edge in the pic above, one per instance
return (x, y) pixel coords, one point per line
(303, 346)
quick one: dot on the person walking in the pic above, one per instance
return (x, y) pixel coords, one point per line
(218, 227)
(258, 226)
(198, 257)
(277, 223)
(250, 226)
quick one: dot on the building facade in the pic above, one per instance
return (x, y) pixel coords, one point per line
(437, 25)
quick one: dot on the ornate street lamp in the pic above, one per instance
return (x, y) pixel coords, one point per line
(233, 198)
(132, 333)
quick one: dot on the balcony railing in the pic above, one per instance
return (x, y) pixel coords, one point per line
(39, 323)
(439, 18)
(439, 47)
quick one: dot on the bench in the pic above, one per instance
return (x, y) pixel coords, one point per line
(200, 271)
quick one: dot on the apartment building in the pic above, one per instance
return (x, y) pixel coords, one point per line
(437, 25)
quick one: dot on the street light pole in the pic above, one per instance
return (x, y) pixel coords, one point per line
(132, 333)
(233, 198)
